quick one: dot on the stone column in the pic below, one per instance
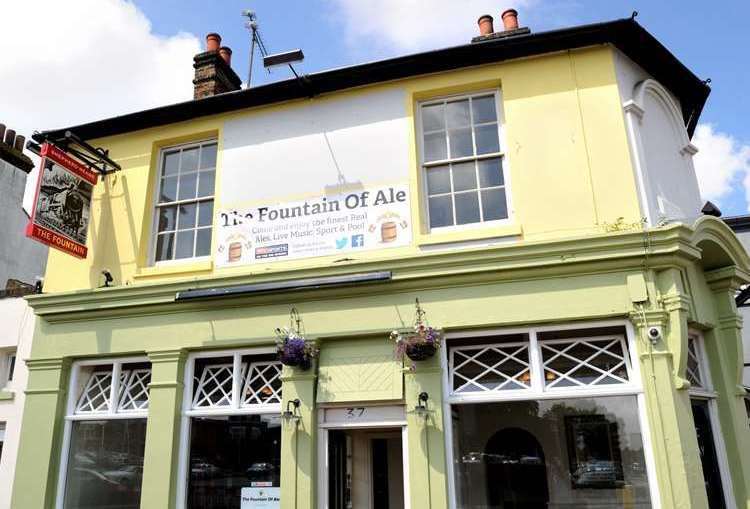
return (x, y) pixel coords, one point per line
(160, 463)
(426, 436)
(724, 350)
(299, 470)
(38, 462)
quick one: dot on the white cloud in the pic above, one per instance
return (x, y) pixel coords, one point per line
(73, 61)
(411, 25)
(721, 163)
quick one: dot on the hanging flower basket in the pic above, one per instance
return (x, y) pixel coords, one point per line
(292, 349)
(419, 343)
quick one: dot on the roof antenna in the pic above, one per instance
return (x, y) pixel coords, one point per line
(634, 15)
(252, 25)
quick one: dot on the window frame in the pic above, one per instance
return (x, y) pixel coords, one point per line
(423, 166)
(8, 361)
(111, 414)
(708, 394)
(155, 205)
(634, 388)
(187, 412)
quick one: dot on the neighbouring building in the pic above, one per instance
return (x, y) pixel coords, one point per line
(22, 263)
(741, 227)
(535, 192)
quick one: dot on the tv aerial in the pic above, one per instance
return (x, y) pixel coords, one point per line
(286, 58)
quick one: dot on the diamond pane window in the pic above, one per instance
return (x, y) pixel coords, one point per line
(584, 362)
(694, 371)
(213, 383)
(96, 393)
(262, 383)
(134, 390)
(490, 368)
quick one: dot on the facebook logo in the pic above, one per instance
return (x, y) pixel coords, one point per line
(358, 240)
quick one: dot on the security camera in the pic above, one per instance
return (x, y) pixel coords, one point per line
(654, 334)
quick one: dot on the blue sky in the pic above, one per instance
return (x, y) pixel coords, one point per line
(109, 57)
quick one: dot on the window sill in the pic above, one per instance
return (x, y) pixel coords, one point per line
(6, 395)
(174, 269)
(506, 230)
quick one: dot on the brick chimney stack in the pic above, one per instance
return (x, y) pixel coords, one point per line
(213, 71)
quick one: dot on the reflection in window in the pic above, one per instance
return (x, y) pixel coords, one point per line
(588, 452)
(228, 453)
(105, 465)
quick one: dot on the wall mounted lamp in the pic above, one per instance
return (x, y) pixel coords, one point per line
(292, 414)
(421, 407)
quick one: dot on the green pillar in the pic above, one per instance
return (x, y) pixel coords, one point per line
(160, 463)
(299, 470)
(662, 365)
(724, 350)
(426, 436)
(35, 484)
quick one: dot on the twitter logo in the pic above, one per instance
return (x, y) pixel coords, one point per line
(341, 243)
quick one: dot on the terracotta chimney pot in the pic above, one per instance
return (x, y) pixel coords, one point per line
(213, 41)
(10, 137)
(18, 145)
(485, 25)
(510, 19)
(226, 53)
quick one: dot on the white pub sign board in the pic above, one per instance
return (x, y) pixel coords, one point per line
(328, 178)
(260, 498)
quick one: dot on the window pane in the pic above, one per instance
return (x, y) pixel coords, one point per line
(457, 113)
(583, 453)
(186, 217)
(488, 141)
(228, 453)
(460, 142)
(184, 246)
(432, 117)
(189, 160)
(490, 173)
(93, 391)
(171, 163)
(212, 385)
(494, 205)
(584, 362)
(187, 186)
(435, 148)
(206, 183)
(11, 366)
(483, 109)
(166, 218)
(203, 242)
(439, 180)
(105, 465)
(205, 213)
(168, 191)
(134, 387)
(164, 246)
(261, 380)
(464, 176)
(707, 450)
(208, 156)
(467, 208)
(441, 211)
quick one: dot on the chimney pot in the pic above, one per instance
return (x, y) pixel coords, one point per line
(10, 136)
(20, 140)
(485, 25)
(226, 53)
(510, 19)
(2, 132)
(213, 41)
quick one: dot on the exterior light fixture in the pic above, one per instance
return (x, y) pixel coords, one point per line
(421, 407)
(291, 414)
(286, 58)
(108, 279)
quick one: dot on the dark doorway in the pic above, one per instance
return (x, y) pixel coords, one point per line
(709, 460)
(516, 471)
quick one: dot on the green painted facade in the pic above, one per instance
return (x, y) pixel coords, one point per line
(687, 276)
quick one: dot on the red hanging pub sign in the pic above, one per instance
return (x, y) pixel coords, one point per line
(62, 204)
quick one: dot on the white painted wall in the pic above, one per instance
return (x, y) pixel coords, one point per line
(16, 331)
(361, 138)
(660, 148)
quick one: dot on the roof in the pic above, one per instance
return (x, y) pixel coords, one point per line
(738, 223)
(625, 34)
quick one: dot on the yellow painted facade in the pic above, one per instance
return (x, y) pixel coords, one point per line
(567, 152)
